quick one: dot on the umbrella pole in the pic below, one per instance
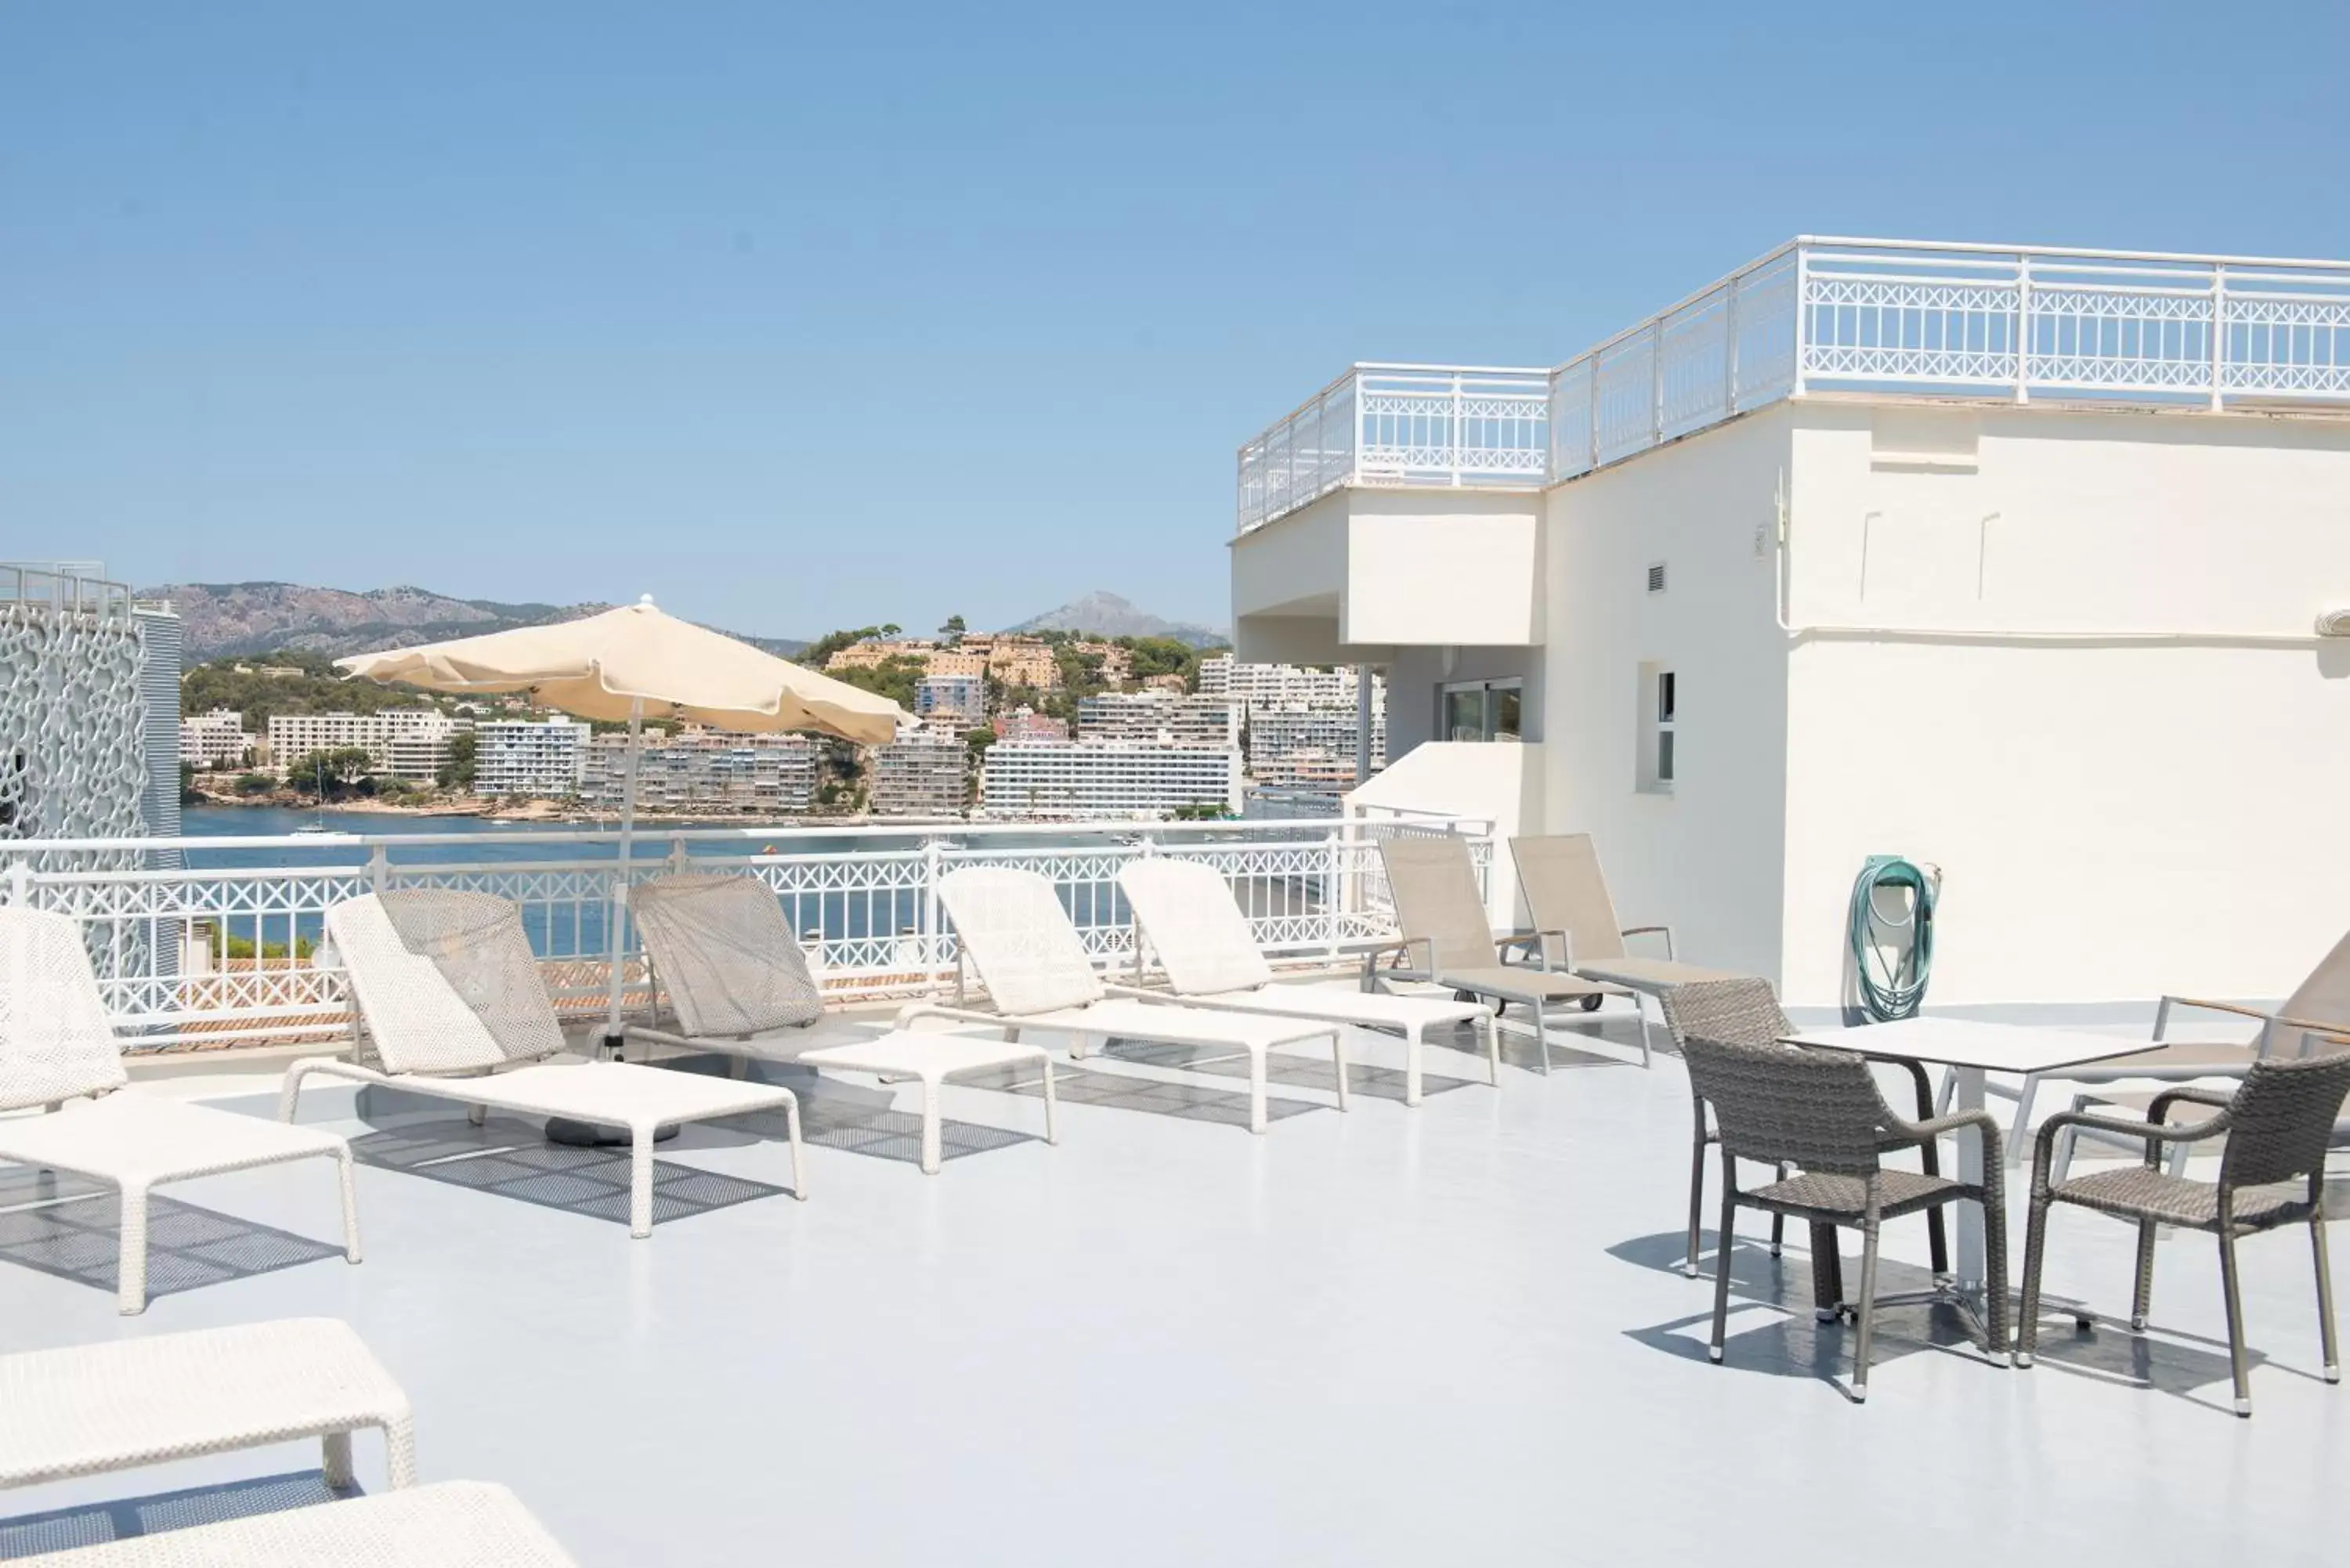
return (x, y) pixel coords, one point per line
(618, 914)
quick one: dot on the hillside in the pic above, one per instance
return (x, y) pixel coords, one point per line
(222, 620)
(1110, 616)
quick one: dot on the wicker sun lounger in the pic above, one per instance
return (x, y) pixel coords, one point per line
(88, 1408)
(1446, 939)
(1188, 917)
(450, 1524)
(739, 984)
(445, 983)
(57, 1048)
(1015, 933)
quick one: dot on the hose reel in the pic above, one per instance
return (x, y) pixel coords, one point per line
(1890, 932)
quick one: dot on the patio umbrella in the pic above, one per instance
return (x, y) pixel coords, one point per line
(625, 664)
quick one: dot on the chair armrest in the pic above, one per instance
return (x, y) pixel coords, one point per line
(2160, 1109)
(913, 1012)
(1664, 931)
(2043, 1147)
(1934, 1127)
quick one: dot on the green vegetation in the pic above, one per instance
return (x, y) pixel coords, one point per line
(816, 653)
(316, 689)
(242, 948)
(189, 794)
(457, 772)
(329, 775)
(1201, 812)
(254, 783)
(893, 678)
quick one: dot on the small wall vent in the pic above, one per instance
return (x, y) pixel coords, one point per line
(1657, 578)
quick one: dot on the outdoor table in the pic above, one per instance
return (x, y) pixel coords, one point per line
(1970, 1049)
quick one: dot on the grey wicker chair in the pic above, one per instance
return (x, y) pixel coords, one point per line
(2271, 1174)
(1820, 1112)
(1743, 1011)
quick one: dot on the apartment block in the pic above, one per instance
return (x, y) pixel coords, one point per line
(919, 775)
(1113, 779)
(215, 740)
(545, 757)
(960, 697)
(405, 742)
(1024, 724)
(705, 770)
(1158, 717)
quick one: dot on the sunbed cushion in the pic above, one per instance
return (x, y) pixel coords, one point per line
(1187, 912)
(56, 1042)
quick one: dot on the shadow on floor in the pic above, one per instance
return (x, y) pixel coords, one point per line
(89, 1524)
(1773, 1329)
(69, 1227)
(1295, 1071)
(1082, 1085)
(513, 1160)
(858, 1119)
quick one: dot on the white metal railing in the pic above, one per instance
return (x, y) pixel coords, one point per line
(1896, 317)
(865, 900)
(1400, 424)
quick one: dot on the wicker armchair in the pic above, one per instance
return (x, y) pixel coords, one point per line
(2271, 1174)
(1744, 1013)
(1820, 1112)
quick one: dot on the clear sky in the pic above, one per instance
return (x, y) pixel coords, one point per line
(807, 318)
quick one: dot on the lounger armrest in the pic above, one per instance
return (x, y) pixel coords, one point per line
(915, 1011)
(1552, 950)
(1142, 994)
(2152, 1133)
(1664, 931)
(1402, 947)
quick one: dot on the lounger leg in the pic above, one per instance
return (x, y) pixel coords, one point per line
(351, 1204)
(1338, 1057)
(1696, 1185)
(2142, 1292)
(1076, 1047)
(1052, 1107)
(1541, 1032)
(2324, 1296)
(2035, 1248)
(1256, 1089)
(1411, 1043)
(929, 1124)
(1860, 1351)
(738, 1066)
(640, 1180)
(792, 1131)
(1492, 1050)
(477, 1115)
(2233, 1289)
(399, 1449)
(336, 1461)
(1721, 1257)
(131, 1267)
(1640, 1006)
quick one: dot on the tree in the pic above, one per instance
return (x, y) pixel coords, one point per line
(893, 678)
(457, 772)
(252, 784)
(952, 632)
(336, 771)
(816, 654)
(1200, 811)
(189, 794)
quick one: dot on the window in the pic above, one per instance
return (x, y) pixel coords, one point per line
(1479, 711)
(1659, 699)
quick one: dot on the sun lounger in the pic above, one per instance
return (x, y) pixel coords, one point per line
(1187, 915)
(1015, 933)
(451, 1525)
(1575, 920)
(1447, 940)
(739, 984)
(57, 1048)
(445, 983)
(90, 1408)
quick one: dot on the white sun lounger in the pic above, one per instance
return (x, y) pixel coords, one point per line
(1015, 933)
(85, 1409)
(739, 984)
(56, 1046)
(451, 1525)
(1188, 917)
(445, 983)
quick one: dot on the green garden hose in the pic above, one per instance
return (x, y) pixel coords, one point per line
(1887, 989)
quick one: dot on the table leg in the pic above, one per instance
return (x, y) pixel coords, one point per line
(1969, 1216)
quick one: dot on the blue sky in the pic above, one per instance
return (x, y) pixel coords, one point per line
(798, 318)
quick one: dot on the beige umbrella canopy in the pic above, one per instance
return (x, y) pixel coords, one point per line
(637, 661)
(634, 662)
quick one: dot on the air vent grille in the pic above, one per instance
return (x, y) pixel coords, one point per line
(1657, 578)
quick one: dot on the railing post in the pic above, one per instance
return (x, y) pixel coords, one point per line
(1802, 327)
(1332, 882)
(379, 868)
(2023, 330)
(1456, 444)
(1657, 383)
(2219, 336)
(934, 946)
(1730, 347)
(20, 882)
(1147, 850)
(1591, 407)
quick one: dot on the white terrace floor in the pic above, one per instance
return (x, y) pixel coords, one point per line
(1448, 1335)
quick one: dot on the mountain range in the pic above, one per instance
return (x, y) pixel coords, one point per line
(224, 619)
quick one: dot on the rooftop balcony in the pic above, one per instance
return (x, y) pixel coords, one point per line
(1887, 317)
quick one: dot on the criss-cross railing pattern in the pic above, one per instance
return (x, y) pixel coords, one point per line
(1875, 316)
(251, 964)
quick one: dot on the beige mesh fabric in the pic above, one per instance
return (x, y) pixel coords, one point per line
(2325, 996)
(1201, 939)
(1018, 937)
(1434, 884)
(1566, 891)
(56, 1042)
(445, 981)
(725, 955)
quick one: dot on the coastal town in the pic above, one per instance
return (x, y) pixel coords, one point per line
(1004, 726)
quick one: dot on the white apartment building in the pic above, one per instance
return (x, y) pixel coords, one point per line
(545, 757)
(215, 740)
(405, 742)
(1162, 717)
(1280, 685)
(2029, 564)
(1070, 781)
(705, 770)
(1274, 733)
(919, 775)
